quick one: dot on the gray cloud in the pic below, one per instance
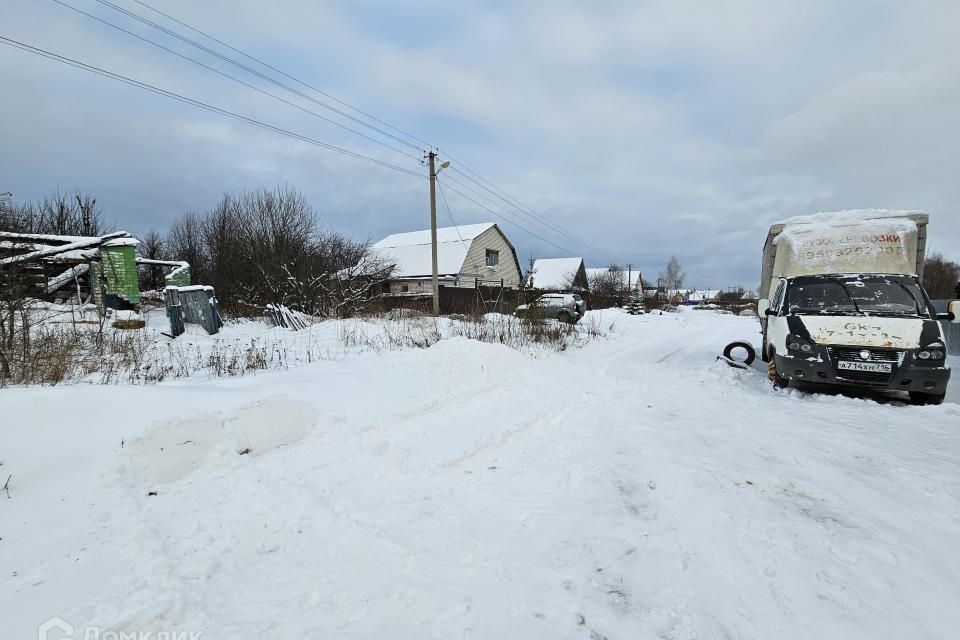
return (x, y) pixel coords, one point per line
(649, 129)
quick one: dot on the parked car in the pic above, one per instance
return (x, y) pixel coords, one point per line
(562, 306)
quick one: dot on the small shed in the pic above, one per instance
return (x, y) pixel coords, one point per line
(99, 269)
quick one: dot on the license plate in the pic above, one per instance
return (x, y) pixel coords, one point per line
(874, 367)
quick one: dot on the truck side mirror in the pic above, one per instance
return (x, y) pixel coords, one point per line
(763, 306)
(953, 311)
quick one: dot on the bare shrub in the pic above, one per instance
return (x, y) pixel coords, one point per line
(76, 214)
(527, 332)
(267, 247)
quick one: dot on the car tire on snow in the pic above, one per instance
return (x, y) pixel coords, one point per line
(746, 346)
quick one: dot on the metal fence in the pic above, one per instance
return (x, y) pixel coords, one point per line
(951, 330)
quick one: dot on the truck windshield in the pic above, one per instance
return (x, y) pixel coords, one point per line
(874, 295)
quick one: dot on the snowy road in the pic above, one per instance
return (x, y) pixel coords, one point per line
(634, 488)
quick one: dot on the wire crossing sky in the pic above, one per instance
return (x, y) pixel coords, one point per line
(616, 131)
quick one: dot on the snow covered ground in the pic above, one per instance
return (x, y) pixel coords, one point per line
(634, 488)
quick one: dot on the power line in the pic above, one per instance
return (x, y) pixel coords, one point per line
(450, 213)
(507, 220)
(234, 78)
(229, 60)
(197, 103)
(480, 195)
(519, 206)
(208, 107)
(475, 177)
(285, 75)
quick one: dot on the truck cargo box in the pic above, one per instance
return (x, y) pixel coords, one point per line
(858, 241)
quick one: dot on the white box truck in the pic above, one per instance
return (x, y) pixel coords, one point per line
(842, 304)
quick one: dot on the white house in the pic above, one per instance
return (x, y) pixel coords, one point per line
(557, 274)
(465, 254)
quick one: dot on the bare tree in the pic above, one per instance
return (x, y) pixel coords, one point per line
(941, 277)
(152, 247)
(184, 242)
(673, 276)
(609, 283)
(57, 214)
(267, 247)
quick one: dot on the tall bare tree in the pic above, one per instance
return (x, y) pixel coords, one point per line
(672, 277)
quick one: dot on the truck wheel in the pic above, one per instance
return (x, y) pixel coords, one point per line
(778, 381)
(919, 397)
(565, 316)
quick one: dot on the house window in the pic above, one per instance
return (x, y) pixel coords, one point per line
(404, 288)
(493, 258)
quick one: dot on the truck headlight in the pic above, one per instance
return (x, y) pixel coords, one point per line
(932, 352)
(800, 345)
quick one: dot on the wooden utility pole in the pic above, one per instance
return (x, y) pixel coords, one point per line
(433, 231)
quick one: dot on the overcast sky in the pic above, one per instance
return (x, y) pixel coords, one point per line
(643, 128)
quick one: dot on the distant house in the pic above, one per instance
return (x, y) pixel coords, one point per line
(702, 296)
(558, 274)
(662, 295)
(465, 255)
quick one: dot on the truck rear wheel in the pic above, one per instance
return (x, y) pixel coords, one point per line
(919, 397)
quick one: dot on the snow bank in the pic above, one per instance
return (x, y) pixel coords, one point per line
(634, 488)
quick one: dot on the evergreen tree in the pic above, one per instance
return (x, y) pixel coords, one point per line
(635, 304)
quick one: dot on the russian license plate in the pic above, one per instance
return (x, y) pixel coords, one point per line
(874, 367)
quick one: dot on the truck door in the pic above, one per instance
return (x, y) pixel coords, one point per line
(775, 326)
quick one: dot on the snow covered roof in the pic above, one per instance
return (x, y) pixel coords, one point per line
(411, 253)
(554, 273)
(706, 294)
(59, 248)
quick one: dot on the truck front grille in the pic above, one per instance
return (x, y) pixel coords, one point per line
(866, 378)
(853, 353)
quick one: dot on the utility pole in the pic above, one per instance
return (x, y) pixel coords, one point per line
(629, 276)
(433, 231)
